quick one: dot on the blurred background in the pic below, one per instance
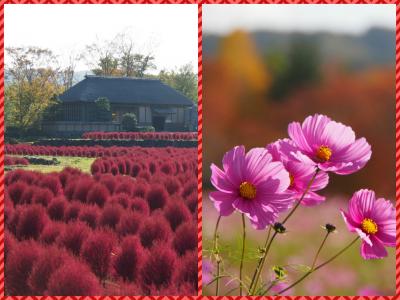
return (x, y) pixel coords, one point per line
(267, 65)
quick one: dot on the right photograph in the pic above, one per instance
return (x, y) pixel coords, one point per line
(299, 150)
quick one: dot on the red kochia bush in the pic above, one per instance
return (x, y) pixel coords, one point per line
(172, 185)
(192, 202)
(42, 196)
(89, 214)
(16, 190)
(18, 267)
(31, 222)
(82, 189)
(50, 260)
(145, 175)
(157, 196)
(176, 213)
(109, 182)
(9, 243)
(21, 175)
(96, 251)
(51, 232)
(190, 187)
(56, 209)
(27, 195)
(11, 161)
(140, 205)
(185, 238)
(128, 262)
(52, 183)
(111, 215)
(73, 278)
(140, 189)
(72, 211)
(125, 187)
(98, 194)
(129, 223)
(187, 269)
(73, 236)
(159, 266)
(120, 199)
(154, 229)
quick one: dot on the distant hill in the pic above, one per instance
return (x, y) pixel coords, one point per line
(374, 47)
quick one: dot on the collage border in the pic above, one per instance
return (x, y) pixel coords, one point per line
(199, 4)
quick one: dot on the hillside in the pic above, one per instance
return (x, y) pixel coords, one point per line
(374, 47)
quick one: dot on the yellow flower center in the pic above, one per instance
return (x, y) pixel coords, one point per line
(369, 226)
(291, 177)
(324, 153)
(247, 190)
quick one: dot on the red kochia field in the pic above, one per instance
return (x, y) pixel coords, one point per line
(129, 228)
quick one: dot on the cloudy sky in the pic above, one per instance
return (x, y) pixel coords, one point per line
(168, 31)
(352, 19)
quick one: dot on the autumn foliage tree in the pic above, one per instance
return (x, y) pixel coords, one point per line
(33, 87)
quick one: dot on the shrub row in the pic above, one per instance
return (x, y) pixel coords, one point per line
(142, 166)
(119, 143)
(186, 136)
(12, 161)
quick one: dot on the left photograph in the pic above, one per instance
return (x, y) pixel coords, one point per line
(100, 120)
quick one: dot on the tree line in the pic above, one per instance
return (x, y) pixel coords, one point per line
(35, 77)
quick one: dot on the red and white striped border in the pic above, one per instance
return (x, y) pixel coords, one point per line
(200, 139)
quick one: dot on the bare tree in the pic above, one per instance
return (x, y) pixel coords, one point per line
(67, 73)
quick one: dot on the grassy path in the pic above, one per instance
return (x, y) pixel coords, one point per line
(82, 163)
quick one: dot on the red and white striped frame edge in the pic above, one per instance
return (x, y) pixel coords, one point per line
(200, 145)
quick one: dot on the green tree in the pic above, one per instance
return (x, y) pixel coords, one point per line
(129, 122)
(183, 80)
(107, 66)
(300, 66)
(142, 64)
(117, 57)
(33, 87)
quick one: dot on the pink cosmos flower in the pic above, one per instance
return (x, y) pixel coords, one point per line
(374, 221)
(300, 174)
(252, 184)
(280, 286)
(329, 145)
(207, 271)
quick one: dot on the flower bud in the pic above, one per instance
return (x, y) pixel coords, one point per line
(279, 228)
(330, 228)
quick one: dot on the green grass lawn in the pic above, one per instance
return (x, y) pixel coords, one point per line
(82, 163)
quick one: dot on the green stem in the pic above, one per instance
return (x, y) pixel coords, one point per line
(317, 267)
(260, 260)
(263, 259)
(319, 250)
(216, 253)
(257, 272)
(243, 249)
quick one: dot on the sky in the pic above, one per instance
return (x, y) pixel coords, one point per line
(169, 32)
(352, 19)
